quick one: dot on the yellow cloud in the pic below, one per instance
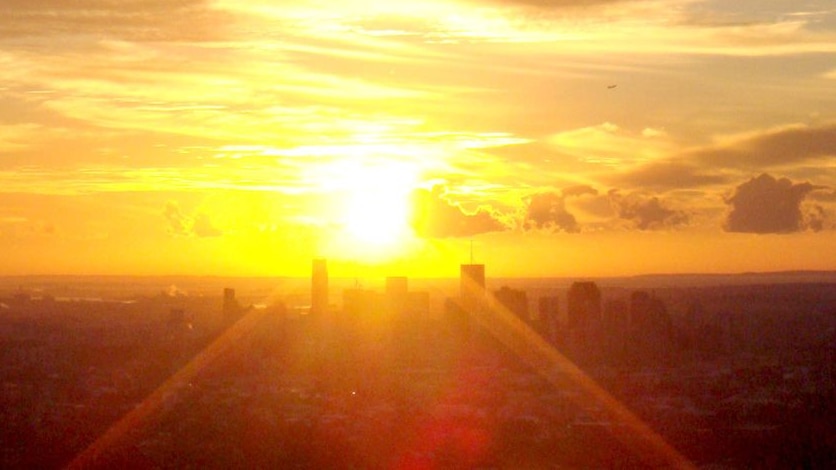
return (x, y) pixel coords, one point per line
(611, 146)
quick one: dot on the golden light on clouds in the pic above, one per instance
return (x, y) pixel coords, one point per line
(306, 127)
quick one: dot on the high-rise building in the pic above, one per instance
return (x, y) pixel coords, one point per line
(514, 300)
(472, 285)
(231, 308)
(319, 287)
(583, 305)
(651, 326)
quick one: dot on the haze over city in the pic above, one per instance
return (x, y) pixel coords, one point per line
(560, 138)
(414, 235)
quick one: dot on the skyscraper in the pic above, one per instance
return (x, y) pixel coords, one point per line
(516, 301)
(231, 308)
(319, 287)
(583, 305)
(472, 285)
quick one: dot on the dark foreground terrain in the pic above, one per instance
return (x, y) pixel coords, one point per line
(731, 376)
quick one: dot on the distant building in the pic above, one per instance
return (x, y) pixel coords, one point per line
(472, 286)
(362, 316)
(471, 299)
(514, 300)
(647, 313)
(231, 307)
(583, 305)
(616, 330)
(456, 320)
(584, 333)
(397, 285)
(407, 319)
(651, 326)
(419, 305)
(319, 287)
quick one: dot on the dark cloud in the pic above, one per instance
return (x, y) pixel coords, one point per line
(548, 211)
(768, 205)
(646, 212)
(711, 165)
(435, 217)
(180, 224)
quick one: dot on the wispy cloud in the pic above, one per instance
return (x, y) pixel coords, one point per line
(145, 20)
(779, 148)
(497, 100)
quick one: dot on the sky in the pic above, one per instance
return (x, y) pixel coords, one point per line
(540, 137)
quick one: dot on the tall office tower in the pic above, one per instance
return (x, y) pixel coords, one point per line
(472, 285)
(583, 305)
(319, 287)
(514, 300)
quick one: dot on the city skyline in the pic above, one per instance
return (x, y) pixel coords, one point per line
(663, 375)
(548, 138)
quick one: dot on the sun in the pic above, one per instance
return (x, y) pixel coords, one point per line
(373, 206)
(377, 208)
(377, 216)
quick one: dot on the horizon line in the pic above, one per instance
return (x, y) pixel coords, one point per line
(610, 276)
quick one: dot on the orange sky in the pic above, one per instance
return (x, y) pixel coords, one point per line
(561, 137)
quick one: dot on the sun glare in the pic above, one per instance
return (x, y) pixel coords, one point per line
(373, 210)
(378, 216)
